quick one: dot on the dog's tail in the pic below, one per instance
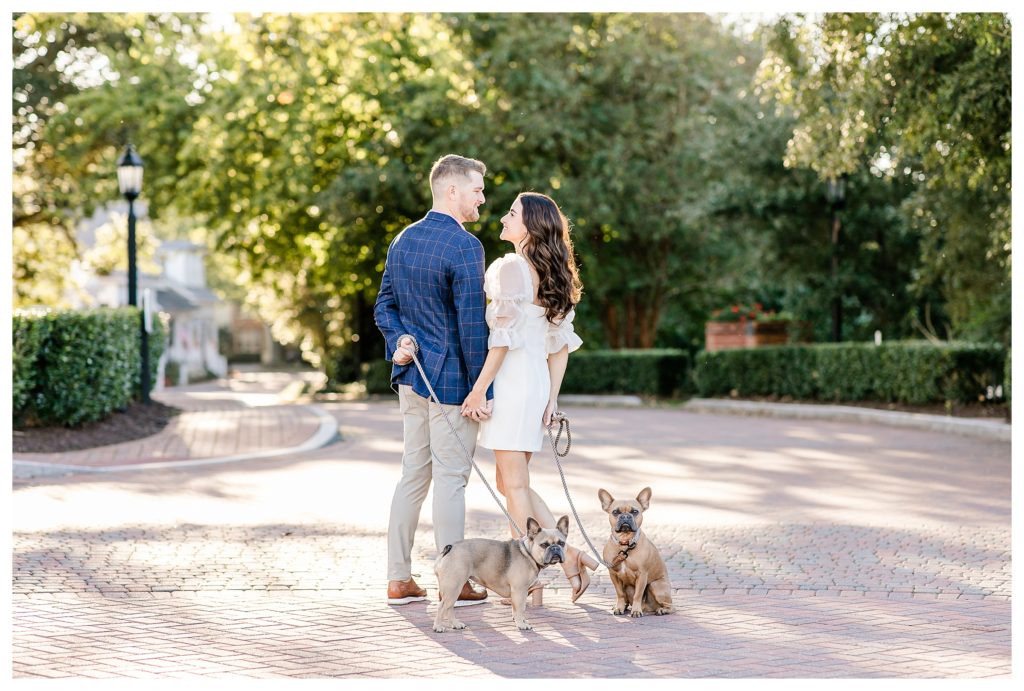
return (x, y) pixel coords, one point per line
(446, 550)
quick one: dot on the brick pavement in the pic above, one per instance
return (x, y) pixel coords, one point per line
(795, 549)
(244, 415)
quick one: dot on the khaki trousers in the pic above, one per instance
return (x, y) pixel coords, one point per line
(425, 430)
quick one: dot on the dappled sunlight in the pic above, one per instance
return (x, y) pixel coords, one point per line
(909, 455)
(808, 434)
(385, 446)
(855, 438)
(212, 424)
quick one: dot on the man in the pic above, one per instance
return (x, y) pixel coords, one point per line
(431, 299)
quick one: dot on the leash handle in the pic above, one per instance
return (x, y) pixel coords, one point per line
(562, 421)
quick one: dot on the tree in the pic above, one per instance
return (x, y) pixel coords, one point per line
(66, 139)
(921, 97)
(613, 115)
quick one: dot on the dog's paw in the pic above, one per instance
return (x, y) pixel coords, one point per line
(636, 613)
(439, 628)
(617, 611)
(458, 625)
(524, 625)
(664, 610)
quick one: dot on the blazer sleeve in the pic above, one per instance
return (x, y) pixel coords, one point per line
(387, 316)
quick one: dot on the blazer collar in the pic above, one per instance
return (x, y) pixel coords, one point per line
(442, 217)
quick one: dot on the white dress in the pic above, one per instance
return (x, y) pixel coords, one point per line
(523, 383)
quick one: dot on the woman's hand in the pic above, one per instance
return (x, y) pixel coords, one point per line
(550, 411)
(474, 404)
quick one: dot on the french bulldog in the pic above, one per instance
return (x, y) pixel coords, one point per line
(638, 574)
(508, 568)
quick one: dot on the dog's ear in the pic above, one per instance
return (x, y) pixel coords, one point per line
(563, 525)
(532, 527)
(606, 499)
(644, 498)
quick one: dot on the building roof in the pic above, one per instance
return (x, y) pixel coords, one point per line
(173, 301)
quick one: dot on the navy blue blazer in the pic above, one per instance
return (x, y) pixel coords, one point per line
(433, 290)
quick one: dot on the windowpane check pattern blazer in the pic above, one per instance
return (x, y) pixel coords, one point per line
(433, 290)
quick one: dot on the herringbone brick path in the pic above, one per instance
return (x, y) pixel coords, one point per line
(795, 549)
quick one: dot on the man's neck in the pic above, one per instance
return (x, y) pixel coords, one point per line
(447, 212)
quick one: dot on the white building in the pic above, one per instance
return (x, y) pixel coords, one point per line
(180, 290)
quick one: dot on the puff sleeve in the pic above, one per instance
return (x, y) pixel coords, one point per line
(508, 287)
(563, 334)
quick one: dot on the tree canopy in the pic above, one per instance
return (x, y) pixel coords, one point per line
(689, 159)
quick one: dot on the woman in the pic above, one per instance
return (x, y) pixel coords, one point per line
(532, 295)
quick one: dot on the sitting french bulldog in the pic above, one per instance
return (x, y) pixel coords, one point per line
(508, 568)
(638, 574)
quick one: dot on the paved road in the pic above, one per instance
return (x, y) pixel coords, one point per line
(795, 549)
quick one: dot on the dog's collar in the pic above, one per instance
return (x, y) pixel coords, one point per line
(627, 547)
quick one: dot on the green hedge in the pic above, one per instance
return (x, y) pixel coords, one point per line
(647, 372)
(650, 372)
(903, 371)
(72, 367)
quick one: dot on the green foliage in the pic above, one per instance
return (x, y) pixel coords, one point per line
(1007, 370)
(74, 367)
(906, 372)
(617, 117)
(649, 372)
(377, 375)
(28, 336)
(83, 85)
(922, 99)
(303, 142)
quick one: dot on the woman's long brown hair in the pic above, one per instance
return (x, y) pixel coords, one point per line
(550, 253)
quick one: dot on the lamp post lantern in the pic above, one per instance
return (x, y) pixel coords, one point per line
(836, 193)
(129, 179)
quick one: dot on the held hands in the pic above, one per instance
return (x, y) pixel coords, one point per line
(403, 354)
(476, 406)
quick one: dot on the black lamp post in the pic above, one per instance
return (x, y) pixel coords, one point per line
(836, 192)
(129, 178)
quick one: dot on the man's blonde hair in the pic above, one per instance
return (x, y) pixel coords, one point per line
(452, 165)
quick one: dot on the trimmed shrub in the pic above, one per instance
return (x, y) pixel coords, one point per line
(79, 366)
(913, 372)
(646, 372)
(650, 372)
(29, 334)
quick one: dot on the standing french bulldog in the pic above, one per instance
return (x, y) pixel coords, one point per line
(508, 568)
(638, 574)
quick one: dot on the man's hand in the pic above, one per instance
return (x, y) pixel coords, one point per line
(403, 354)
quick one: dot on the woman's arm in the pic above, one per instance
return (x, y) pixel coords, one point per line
(477, 397)
(556, 367)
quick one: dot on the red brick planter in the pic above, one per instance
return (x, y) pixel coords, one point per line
(748, 334)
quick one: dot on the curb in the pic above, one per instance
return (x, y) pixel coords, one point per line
(326, 433)
(985, 429)
(600, 401)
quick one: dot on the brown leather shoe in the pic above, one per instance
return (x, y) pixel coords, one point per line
(469, 596)
(404, 592)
